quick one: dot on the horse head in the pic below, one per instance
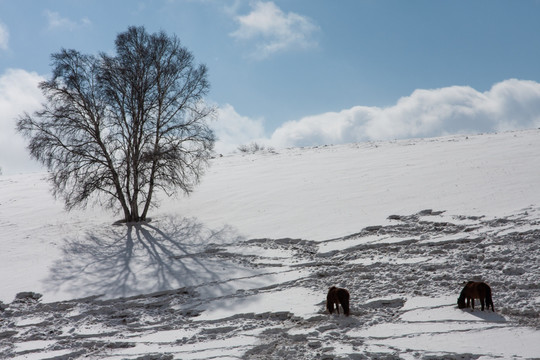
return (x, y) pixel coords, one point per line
(461, 302)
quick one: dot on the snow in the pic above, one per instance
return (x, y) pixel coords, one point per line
(240, 269)
(367, 183)
(300, 301)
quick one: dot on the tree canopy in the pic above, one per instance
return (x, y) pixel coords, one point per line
(117, 128)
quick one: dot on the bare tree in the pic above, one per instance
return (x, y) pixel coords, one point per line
(123, 126)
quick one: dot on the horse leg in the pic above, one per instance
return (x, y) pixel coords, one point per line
(337, 307)
(472, 303)
(482, 303)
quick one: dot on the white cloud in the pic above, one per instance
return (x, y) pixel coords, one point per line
(511, 104)
(4, 37)
(55, 21)
(508, 105)
(273, 30)
(19, 93)
(233, 129)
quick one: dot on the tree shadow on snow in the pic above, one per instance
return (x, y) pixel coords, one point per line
(130, 259)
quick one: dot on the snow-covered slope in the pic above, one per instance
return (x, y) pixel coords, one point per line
(325, 192)
(240, 269)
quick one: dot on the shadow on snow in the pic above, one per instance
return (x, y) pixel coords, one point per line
(487, 315)
(130, 259)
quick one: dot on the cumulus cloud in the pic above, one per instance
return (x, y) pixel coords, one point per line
(274, 31)
(508, 105)
(19, 93)
(233, 129)
(56, 21)
(4, 37)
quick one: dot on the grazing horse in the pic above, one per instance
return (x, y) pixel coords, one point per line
(475, 290)
(337, 296)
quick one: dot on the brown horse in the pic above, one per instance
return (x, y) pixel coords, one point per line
(337, 296)
(475, 290)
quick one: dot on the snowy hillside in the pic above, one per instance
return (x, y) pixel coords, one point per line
(240, 269)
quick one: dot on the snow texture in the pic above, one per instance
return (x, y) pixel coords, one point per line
(401, 225)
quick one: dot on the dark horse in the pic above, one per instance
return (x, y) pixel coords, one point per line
(475, 290)
(337, 296)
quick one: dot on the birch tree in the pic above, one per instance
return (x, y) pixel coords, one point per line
(118, 128)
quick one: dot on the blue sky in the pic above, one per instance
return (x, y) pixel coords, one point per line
(305, 72)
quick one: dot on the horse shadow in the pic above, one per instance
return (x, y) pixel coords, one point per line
(122, 260)
(488, 315)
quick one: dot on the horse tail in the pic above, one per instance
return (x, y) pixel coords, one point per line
(345, 304)
(343, 296)
(489, 299)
